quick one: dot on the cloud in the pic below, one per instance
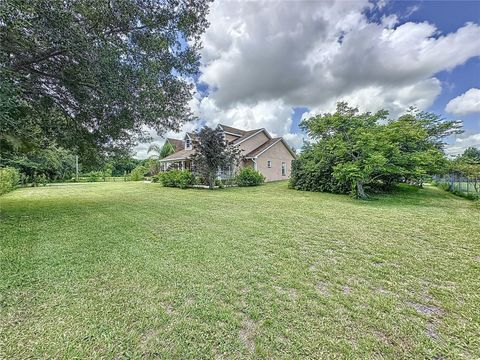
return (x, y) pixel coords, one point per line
(261, 59)
(309, 54)
(462, 142)
(467, 103)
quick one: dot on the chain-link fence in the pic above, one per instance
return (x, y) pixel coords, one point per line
(459, 183)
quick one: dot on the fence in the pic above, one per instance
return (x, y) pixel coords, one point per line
(460, 183)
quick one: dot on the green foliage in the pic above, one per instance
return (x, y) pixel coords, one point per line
(313, 169)
(247, 176)
(9, 178)
(358, 151)
(212, 152)
(471, 155)
(468, 165)
(138, 173)
(167, 149)
(122, 165)
(94, 176)
(159, 153)
(90, 75)
(177, 178)
(53, 162)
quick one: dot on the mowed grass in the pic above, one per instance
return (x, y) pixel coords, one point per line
(134, 270)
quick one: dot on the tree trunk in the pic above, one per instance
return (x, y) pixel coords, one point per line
(211, 182)
(360, 191)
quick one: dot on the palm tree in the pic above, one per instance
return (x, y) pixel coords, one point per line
(156, 149)
(159, 153)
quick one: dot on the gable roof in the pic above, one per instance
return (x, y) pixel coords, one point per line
(267, 145)
(232, 130)
(191, 135)
(176, 143)
(250, 133)
(179, 155)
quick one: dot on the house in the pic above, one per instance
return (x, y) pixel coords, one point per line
(270, 156)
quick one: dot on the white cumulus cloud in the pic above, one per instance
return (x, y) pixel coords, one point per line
(467, 103)
(262, 58)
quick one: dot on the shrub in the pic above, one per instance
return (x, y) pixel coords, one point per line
(444, 186)
(138, 173)
(247, 176)
(9, 178)
(94, 176)
(177, 178)
(219, 183)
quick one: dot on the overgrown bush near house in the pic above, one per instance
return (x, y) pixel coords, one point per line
(9, 178)
(177, 178)
(247, 176)
(138, 173)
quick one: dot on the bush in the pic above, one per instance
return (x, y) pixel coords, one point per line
(177, 178)
(94, 176)
(444, 186)
(9, 178)
(138, 173)
(247, 176)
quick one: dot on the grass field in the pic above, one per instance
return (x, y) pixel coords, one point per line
(130, 270)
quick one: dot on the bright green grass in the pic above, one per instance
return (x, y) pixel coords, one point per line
(129, 270)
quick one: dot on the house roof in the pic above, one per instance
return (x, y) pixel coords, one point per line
(179, 155)
(247, 134)
(266, 145)
(184, 154)
(177, 144)
(191, 135)
(232, 130)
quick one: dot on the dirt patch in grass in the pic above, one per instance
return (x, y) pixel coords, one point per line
(425, 309)
(432, 330)
(290, 293)
(322, 288)
(247, 334)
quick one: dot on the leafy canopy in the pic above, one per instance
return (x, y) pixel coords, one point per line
(212, 153)
(91, 75)
(353, 150)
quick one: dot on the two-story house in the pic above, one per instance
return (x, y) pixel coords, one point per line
(270, 156)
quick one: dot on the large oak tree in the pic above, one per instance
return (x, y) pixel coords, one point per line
(91, 75)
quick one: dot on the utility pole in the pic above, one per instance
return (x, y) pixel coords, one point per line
(76, 168)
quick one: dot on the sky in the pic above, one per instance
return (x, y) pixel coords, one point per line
(270, 64)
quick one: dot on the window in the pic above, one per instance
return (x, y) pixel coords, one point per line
(188, 144)
(284, 169)
(269, 163)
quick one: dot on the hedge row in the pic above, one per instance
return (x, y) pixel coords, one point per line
(183, 179)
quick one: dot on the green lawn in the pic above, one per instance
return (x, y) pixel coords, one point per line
(129, 270)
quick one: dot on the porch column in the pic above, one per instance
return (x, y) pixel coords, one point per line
(183, 164)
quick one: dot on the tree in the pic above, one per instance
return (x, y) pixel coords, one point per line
(354, 150)
(356, 142)
(161, 152)
(471, 155)
(212, 153)
(468, 165)
(53, 162)
(91, 75)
